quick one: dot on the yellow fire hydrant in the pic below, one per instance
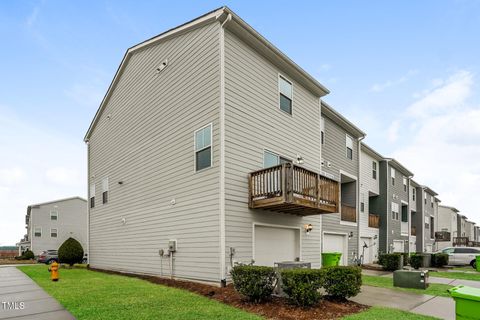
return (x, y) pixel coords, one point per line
(53, 271)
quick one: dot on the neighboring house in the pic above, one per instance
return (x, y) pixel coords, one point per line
(477, 234)
(425, 218)
(461, 225)
(203, 127)
(369, 192)
(415, 213)
(393, 206)
(469, 230)
(447, 222)
(49, 224)
(340, 161)
(24, 243)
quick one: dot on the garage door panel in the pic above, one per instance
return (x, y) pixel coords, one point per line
(273, 244)
(336, 243)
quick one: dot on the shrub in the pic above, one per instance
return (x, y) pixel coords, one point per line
(439, 259)
(302, 285)
(406, 258)
(390, 261)
(70, 252)
(341, 282)
(416, 261)
(27, 255)
(254, 282)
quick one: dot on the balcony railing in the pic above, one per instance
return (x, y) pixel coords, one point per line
(413, 230)
(292, 189)
(465, 242)
(442, 236)
(349, 213)
(373, 220)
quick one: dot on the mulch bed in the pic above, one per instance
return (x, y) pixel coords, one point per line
(277, 308)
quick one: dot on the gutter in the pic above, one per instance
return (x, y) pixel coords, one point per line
(359, 163)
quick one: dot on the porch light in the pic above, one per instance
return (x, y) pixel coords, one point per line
(307, 228)
(299, 159)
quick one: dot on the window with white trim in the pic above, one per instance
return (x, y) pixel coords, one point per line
(322, 130)
(37, 231)
(374, 170)
(431, 202)
(104, 190)
(349, 147)
(285, 89)
(53, 232)
(392, 174)
(54, 215)
(92, 195)
(425, 198)
(395, 211)
(414, 193)
(405, 184)
(203, 148)
(271, 159)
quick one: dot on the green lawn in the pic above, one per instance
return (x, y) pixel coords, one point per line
(379, 313)
(465, 268)
(434, 289)
(95, 295)
(456, 275)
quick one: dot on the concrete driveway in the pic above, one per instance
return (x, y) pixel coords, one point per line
(21, 298)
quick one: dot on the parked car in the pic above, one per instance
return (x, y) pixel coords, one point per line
(461, 255)
(48, 256)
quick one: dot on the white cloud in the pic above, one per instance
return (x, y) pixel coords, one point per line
(63, 176)
(12, 175)
(392, 133)
(88, 95)
(379, 87)
(442, 142)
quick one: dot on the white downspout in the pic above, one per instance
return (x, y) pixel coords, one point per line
(359, 181)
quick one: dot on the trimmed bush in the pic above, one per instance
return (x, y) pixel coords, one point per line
(302, 285)
(341, 282)
(416, 261)
(439, 260)
(254, 282)
(70, 252)
(390, 261)
(406, 258)
(27, 255)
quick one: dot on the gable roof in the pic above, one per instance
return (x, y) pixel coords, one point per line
(451, 208)
(29, 208)
(352, 129)
(237, 26)
(371, 151)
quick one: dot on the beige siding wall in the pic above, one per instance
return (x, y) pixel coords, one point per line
(254, 122)
(147, 142)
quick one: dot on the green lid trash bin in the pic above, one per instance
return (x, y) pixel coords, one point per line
(331, 259)
(467, 302)
(478, 263)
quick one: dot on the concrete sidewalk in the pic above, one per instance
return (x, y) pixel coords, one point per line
(21, 298)
(439, 307)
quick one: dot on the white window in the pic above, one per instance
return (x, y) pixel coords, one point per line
(349, 146)
(203, 148)
(395, 211)
(431, 202)
(392, 174)
(53, 233)
(285, 89)
(53, 215)
(425, 198)
(37, 232)
(92, 195)
(271, 159)
(322, 130)
(405, 184)
(105, 190)
(374, 170)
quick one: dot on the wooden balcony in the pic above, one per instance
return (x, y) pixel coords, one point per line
(442, 236)
(464, 242)
(413, 231)
(349, 213)
(292, 189)
(373, 220)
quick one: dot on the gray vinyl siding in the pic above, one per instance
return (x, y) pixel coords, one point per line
(380, 206)
(71, 222)
(429, 212)
(254, 122)
(335, 160)
(145, 140)
(447, 219)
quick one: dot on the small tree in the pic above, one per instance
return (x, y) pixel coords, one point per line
(28, 254)
(70, 252)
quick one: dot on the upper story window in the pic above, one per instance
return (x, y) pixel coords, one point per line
(322, 130)
(53, 215)
(414, 194)
(349, 146)
(105, 190)
(405, 184)
(374, 170)
(37, 232)
(431, 202)
(203, 148)
(285, 89)
(271, 159)
(395, 211)
(392, 174)
(425, 198)
(92, 195)
(53, 233)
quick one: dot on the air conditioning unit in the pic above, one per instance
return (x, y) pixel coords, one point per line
(287, 265)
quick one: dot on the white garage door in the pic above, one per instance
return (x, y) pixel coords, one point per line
(336, 243)
(368, 251)
(273, 244)
(398, 246)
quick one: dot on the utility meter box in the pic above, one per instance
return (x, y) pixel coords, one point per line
(172, 245)
(410, 279)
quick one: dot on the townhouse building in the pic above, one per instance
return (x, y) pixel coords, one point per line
(340, 141)
(415, 211)
(49, 224)
(206, 151)
(469, 230)
(447, 222)
(425, 218)
(461, 226)
(369, 218)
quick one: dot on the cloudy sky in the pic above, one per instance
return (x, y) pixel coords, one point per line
(406, 72)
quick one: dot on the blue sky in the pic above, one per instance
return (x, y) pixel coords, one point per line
(406, 72)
